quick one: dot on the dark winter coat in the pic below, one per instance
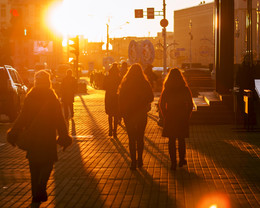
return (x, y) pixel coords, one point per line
(68, 89)
(135, 98)
(176, 107)
(44, 104)
(111, 84)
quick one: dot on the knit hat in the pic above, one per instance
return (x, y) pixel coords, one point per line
(42, 79)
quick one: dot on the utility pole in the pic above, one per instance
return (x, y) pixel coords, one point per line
(107, 45)
(139, 13)
(164, 41)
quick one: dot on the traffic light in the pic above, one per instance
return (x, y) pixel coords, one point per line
(17, 24)
(150, 13)
(74, 43)
(139, 13)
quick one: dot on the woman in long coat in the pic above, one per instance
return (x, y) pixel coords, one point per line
(176, 106)
(42, 114)
(135, 97)
(111, 84)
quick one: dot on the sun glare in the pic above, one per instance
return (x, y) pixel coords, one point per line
(55, 19)
(214, 200)
(77, 17)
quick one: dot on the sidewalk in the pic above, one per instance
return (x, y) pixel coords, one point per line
(223, 167)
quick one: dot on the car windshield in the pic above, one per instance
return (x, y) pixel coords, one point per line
(14, 76)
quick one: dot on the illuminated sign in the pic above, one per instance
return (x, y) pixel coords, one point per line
(43, 47)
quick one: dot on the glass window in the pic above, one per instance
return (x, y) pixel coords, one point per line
(14, 76)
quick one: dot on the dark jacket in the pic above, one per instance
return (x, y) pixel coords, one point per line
(42, 107)
(135, 98)
(111, 84)
(68, 89)
(176, 107)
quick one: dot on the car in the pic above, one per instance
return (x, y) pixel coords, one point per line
(12, 92)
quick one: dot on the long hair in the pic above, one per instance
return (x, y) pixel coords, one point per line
(174, 80)
(134, 77)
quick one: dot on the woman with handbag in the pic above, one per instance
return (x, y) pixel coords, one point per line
(176, 106)
(135, 97)
(40, 117)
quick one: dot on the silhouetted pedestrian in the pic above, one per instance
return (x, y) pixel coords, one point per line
(91, 79)
(123, 69)
(135, 97)
(176, 107)
(152, 77)
(41, 116)
(111, 84)
(68, 89)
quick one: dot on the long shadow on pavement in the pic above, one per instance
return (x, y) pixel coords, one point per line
(140, 192)
(231, 154)
(236, 161)
(165, 158)
(75, 184)
(184, 186)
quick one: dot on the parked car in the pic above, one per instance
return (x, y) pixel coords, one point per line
(12, 92)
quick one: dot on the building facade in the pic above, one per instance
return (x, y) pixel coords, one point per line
(193, 32)
(26, 35)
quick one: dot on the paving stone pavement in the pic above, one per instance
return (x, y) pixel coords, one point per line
(223, 167)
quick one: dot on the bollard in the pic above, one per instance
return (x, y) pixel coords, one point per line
(248, 96)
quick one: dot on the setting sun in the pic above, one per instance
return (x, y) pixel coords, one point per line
(78, 18)
(67, 18)
(89, 18)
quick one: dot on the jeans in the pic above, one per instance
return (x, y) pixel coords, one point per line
(135, 127)
(40, 174)
(68, 108)
(181, 148)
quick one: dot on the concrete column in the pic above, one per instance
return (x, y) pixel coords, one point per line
(224, 44)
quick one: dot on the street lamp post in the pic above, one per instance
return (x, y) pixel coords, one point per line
(108, 36)
(164, 40)
(191, 37)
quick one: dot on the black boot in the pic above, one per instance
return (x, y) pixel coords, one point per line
(182, 152)
(110, 132)
(172, 152)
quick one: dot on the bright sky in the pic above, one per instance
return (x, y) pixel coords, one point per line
(90, 17)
